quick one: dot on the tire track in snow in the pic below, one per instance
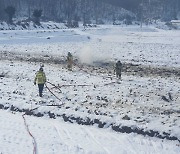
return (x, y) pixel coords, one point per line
(61, 139)
(64, 136)
(89, 142)
(92, 136)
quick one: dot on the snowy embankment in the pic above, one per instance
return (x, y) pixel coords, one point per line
(139, 102)
(55, 136)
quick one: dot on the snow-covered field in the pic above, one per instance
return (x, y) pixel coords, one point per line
(129, 44)
(147, 102)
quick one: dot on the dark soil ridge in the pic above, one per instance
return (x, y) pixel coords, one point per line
(98, 66)
(24, 25)
(87, 121)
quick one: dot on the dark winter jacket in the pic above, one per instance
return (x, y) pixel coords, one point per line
(118, 66)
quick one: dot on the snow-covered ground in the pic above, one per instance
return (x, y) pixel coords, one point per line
(57, 137)
(136, 101)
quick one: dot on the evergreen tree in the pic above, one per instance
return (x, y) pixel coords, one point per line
(10, 10)
(1, 10)
(37, 14)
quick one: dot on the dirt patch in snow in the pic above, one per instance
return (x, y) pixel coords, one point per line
(97, 67)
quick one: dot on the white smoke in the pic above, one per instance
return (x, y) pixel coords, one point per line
(86, 55)
(89, 54)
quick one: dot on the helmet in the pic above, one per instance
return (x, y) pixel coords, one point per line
(41, 69)
(69, 54)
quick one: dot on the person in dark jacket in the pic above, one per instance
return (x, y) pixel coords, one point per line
(69, 61)
(118, 69)
(40, 79)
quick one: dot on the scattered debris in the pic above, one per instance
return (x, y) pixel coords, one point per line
(126, 117)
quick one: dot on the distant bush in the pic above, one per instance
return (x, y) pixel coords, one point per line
(170, 25)
(72, 24)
